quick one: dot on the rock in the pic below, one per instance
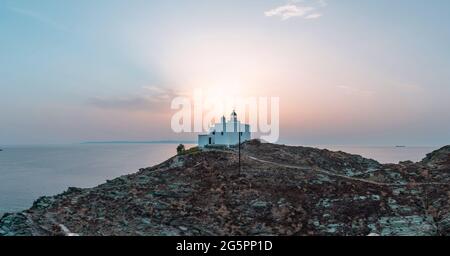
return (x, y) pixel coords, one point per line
(258, 204)
(169, 232)
(177, 162)
(407, 226)
(73, 190)
(439, 158)
(281, 190)
(444, 225)
(16, 224)
(43, 202)
(146, 221)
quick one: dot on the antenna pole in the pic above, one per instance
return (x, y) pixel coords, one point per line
(239, 149)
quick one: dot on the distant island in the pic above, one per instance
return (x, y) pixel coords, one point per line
(142, 142)
(271, 190)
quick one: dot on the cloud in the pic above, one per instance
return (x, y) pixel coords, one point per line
(298, 8)
(313, 16)
(121, 103)
(160, 93)
(153, 99)
(355, 90)
(39, 17)
(288, 11)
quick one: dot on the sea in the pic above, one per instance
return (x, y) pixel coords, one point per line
(29, 172)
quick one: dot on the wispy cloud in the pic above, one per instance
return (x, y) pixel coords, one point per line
(313, 16)
(355, 90)
(152, 99)
(306, 9)
(38, 17)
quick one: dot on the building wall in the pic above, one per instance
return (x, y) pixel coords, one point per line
(226, 134)
(231, 127)
(224, 138)
(203, 140)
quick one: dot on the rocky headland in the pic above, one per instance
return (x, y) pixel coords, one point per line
(279, 190)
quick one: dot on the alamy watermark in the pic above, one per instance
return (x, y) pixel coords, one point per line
(199, 112)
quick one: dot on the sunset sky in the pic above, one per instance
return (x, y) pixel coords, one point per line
(348, 72)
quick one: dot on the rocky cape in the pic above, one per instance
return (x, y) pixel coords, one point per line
(280, 190)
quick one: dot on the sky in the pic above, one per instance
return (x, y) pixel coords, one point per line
(347, 72)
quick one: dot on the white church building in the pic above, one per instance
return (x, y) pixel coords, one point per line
(226, 133)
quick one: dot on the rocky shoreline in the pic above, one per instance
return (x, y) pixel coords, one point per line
(280, 190)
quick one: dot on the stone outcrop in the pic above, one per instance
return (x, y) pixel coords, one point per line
(279, 190)
(439, 159)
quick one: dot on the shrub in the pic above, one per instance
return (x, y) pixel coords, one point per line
(181, 149)
(192, 151)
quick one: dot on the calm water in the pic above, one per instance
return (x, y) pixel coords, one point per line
(28, 172)
(386, 154)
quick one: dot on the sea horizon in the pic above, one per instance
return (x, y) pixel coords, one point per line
(319, 145)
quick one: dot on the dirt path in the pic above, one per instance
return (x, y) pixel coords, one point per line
(328, 173)
(322, 171)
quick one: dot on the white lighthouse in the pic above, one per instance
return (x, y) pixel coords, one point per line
(226, 133)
